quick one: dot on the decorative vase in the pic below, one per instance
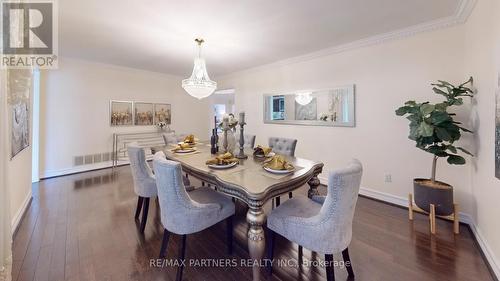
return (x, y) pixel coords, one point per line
(227, 142)
(440, 194)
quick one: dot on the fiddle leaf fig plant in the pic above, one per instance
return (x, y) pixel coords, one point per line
(433, 128)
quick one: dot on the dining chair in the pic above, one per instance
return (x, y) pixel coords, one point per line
(172, 138)
(285, 147)
(185, 213)
(144, 181)
(249, 141)
(322, 224)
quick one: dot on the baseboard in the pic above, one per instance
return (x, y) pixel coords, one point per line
(16, 220)
(79, 169)
(465, 218)
(493, 263)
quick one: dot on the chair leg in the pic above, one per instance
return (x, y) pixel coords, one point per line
(139, 206)
(164, 243)
(290, 195)
(229, 235)
(182, 253)
(300, 255)
(145, 209)
(277, 201)
(330, 272)
(347, 262)
(270, 249)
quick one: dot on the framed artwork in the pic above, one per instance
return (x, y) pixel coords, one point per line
(19, 87)
(306, 112)
(497, 129)
(163, 113)
(143, 114)
(121, 113)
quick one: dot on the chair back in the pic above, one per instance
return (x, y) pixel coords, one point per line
(249, 140)
(340, 202)
(175, 203)
(283, 146)
(141, 172)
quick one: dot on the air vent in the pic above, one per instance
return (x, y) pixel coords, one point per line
(78, 160)
(88, 159)
(97, 158)
(106, 156)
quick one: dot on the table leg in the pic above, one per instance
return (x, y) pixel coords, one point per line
(256, 239)
(313, 186)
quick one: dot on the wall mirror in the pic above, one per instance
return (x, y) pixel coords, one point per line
(331, 107)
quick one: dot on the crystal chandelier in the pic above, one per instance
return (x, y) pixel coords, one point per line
(303, 98)
(199, 84)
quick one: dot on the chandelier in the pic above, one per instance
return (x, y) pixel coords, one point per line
(199, 84)
(303, 98)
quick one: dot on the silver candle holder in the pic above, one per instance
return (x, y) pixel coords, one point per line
(242, 123)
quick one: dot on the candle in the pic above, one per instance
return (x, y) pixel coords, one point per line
(242, 117)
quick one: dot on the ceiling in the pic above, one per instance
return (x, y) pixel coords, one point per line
(158, 35)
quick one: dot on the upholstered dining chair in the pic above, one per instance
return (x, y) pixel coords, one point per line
(285, 147)
(144, 181)
(249, 141)
(172, 138)
(324, 223)
(185, 213)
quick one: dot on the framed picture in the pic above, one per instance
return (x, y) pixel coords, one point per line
(19, 87)
(121, 113)
(163, 113)
(497, 129)
(143, 114)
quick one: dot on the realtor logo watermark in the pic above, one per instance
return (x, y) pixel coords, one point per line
(29, 34)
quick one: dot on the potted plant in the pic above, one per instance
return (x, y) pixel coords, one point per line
(435, 131)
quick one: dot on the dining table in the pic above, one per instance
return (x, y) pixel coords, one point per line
(249, 182)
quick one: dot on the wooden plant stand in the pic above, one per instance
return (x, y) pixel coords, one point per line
(432, 215)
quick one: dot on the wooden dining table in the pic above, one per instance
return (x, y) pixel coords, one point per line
(250, 183)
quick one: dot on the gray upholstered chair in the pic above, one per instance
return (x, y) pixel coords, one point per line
(324, 223)
(172, 138)
(144, 181)
(185, 213)
(285, 147)
(249, 140)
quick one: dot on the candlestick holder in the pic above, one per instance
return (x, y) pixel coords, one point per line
(242, 155)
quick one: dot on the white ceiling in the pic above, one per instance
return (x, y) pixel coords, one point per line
(158, 35)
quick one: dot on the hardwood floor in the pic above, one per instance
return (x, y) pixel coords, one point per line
(82, 227)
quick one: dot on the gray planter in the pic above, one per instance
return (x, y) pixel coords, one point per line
(438, 193)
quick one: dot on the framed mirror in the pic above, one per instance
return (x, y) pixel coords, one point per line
(331, 107)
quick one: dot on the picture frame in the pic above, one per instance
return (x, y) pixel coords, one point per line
(143, 114)
(163, 113)
(121, 113)
(19, 85)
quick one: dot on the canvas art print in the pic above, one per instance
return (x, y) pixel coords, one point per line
(121, 113)
(163, 113)
(19, 83)
(143, 113)
(497, 130)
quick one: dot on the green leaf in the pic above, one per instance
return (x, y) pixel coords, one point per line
(443, 134)
(439, 117)
(425, 130)
(452, 148)
(464, 129)
(402, 110)
(465, 151)
(426, 109)
(455, 160)
(439, 92)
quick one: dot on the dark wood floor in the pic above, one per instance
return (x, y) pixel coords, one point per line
(81, 227)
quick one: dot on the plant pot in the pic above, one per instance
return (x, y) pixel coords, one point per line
(440, 194)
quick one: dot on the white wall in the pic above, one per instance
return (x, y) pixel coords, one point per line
(482, 60)
(75, 109)
(385, 76)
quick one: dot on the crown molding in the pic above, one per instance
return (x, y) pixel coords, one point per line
(460, 16)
